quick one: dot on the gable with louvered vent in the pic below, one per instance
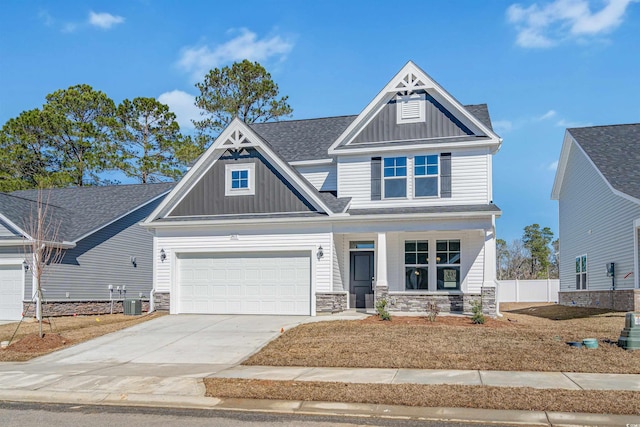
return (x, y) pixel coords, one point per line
(411, 108)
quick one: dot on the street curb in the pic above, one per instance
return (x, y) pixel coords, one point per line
(356, 410)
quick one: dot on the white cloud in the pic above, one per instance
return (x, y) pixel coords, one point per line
(553, 166)
(549, 114)
(198, 60)
(569, 124)
(46, 18)
(502, 126)
(182, 104)
(69, 27)
(545, 25)
(104, 20)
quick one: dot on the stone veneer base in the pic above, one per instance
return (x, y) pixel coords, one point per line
(81, 308)
(619, 300)
(331, 302)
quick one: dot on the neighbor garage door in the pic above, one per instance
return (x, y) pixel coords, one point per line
(11, 292)
(256, 283)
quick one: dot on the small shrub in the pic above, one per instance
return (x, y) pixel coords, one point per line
(476, 309)
(381, 309)
(432, 311)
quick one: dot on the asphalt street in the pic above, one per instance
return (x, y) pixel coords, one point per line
(34, 414)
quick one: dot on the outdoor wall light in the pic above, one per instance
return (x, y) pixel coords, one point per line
(163, 255)
(320, 253)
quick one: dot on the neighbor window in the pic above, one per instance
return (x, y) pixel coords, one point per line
(425, 171)
(395, 177)
(239, 179)
(581, 272)
(416, 264)
(448, 264)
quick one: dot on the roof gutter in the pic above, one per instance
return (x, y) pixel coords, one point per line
(25, 242)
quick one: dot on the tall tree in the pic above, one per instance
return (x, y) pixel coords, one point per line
(79, 121)
(512, 260)
(151, 141)
(26, 160)
(244, 90)
(536, 241)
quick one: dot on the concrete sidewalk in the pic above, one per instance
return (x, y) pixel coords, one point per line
(543, 380)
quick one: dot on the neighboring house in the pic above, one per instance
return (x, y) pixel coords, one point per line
(307, 216)
(102, 241)
(597, 186)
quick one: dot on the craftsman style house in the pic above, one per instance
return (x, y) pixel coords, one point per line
(307, 216)
(597, 186)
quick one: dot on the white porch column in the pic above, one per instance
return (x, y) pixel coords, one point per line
(489, 292)
(381, 260)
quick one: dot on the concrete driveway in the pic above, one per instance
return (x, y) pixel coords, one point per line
(168, 355)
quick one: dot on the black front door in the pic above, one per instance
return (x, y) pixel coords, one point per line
(361, 279)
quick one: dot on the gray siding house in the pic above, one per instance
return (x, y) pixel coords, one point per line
(597, 186)
(103, 244)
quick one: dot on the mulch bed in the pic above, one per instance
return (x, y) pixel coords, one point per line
(451, 396)
(441, 321)
(33, 343)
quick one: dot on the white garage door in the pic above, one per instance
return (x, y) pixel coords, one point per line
(256, 283)
(11, 292)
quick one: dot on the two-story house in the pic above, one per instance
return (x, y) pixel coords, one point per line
(307, 216)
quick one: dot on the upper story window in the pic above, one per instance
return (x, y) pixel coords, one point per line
(425, 171)
(581, 272)
(395, 177)
(411, 108)
(239, 179)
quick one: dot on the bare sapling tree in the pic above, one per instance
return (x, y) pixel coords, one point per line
(41, 246)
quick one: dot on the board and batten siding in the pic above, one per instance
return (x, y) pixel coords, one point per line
(470, 181)
(103, 259)
(596, 222)
(471, 258)
(211, 241)
(322, 177)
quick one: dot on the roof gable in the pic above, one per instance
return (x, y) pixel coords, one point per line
(238, 138)
(445, 109)
(614, 152)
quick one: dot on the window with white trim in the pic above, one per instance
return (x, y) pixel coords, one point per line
(411, 108)
(581, 272)
(448, 264)
(395, 177)
(239, 179)
(416, 264)
(425, 172)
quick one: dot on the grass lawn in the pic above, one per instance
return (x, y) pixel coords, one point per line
(528, 338)
(61, 332)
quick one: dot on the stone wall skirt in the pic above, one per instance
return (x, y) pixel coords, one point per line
(619, 300)
(80, 308)
(331, 302)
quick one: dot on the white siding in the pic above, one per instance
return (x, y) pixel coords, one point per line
(339, 270)
(470, 181)
(5, 230)
(596, 222)
(250, 240)
(323, 177)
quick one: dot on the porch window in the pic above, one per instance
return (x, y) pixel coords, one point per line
(581, 272)
(395, 177)
(416, 264)
(425, 171)
(448, 264)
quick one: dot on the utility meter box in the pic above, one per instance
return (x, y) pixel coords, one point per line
(132, 307)
(630, 335)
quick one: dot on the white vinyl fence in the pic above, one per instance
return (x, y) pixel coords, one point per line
(545, 290)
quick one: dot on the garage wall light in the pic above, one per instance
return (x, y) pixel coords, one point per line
(163, 255)
(320, 253)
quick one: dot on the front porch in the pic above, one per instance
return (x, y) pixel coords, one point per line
(410, 269)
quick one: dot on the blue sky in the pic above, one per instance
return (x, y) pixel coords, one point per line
(541, 66)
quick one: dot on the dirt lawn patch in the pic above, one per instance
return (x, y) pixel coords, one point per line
(450, 396)
(61, 332)
(528, 338)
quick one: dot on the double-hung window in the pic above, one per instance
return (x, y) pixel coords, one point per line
(416, 264)
(448, 264)
(395, 177)
(581, 272)
(425, 171)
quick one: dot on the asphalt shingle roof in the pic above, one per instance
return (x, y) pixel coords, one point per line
(615, 150)
(310, 139)
(81, 210)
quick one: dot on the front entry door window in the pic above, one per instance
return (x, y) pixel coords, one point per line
(361, 280)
